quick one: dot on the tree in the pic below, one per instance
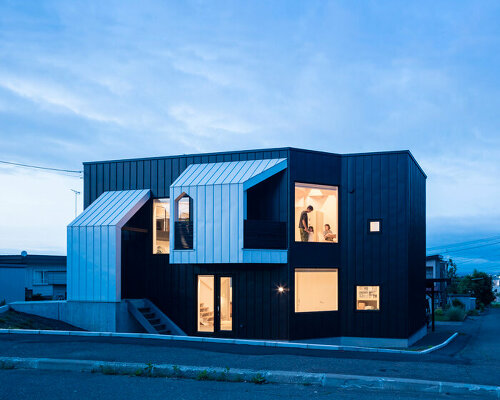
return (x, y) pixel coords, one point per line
(452, 274)
(478, 284)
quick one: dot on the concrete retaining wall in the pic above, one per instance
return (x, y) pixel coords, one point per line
(91, 316)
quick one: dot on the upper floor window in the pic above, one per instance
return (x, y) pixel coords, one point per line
(183, 222)
(316, 213)
(374, 226)
(161, 226)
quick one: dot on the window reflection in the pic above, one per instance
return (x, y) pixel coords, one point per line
(316, 213)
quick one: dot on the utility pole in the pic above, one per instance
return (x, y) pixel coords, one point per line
(76, 192)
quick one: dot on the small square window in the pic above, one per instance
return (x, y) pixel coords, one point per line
(367, 298)
(375, 226)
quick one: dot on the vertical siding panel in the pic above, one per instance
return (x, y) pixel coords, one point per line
(209, 227)
(89, 273)
(106, 177)
(104, 264)
(234, 228)
(93, 184)
(119, 176)
(227, 236)
(112, 176)
(140, 174)
(201, 222)
(154, 177)
(83, 264)
(100, 180)
(86, 185)
(96, 286)
(217, 225)
(133, 175)
(161, 179)
(127, 175)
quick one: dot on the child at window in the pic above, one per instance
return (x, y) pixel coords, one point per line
(311, 234)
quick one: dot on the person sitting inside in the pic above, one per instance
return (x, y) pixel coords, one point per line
(311, 234)
(304, 223)
(328, 234)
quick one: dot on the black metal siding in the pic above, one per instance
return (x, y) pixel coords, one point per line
(389, 186)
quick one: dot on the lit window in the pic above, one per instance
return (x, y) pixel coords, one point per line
(374, 226)
(183, 223)
(316, 213)
(367, 298)
(316, 290)
(161, 227)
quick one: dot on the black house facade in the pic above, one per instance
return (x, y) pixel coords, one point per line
(263, 244)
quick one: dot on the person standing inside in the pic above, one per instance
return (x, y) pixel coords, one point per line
(304, 224)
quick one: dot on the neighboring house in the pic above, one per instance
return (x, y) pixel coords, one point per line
(495, 282)
(224, 244)
(437, 268)
(28, 276)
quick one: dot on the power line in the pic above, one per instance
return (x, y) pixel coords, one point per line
(43, 168)
(472, 247)
(459, 244)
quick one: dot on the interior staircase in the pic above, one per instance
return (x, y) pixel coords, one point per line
(152, 319)
(206, 316)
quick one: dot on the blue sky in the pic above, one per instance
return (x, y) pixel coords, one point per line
(83, 81)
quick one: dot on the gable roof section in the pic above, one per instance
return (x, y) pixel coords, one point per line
(248, 173)
(112, 208)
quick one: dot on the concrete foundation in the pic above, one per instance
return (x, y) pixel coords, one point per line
(91, 316)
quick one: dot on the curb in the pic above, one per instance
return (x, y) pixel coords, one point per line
(246, 375)
(248, 342)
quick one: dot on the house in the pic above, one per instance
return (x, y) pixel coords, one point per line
(32, 276)
(276, 244)
(437, 268)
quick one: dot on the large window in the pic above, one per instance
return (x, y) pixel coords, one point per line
(316, 290)
(368, 298)
(161, 226)
(316, 213)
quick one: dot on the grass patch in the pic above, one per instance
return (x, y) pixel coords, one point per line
(203, 375)
(258, 379)
(6, 365)
(495, 304)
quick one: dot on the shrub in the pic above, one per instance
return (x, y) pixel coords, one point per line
(203, 375)
(495, 305)
(455, 314)
(438, 311)
(457, 303)
(2, 303)
(473, 313)
(258, 379)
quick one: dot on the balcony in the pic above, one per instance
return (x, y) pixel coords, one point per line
(183, 235)
(259, 234)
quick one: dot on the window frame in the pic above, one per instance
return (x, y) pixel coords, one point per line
(154, 230)
(295, 294)
(189, 221)
(379, 298)
(295, 222)
(380, 224)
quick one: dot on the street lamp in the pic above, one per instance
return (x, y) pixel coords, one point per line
(76, 192)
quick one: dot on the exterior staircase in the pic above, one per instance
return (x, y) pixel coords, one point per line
(151, 318)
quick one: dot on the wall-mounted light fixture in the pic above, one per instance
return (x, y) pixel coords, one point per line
(281, 289)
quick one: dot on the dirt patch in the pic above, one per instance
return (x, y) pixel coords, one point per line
(18, 320)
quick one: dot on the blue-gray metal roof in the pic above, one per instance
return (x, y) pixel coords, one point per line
(110, 208)
(226, 172)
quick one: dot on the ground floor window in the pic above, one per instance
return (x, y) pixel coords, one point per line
(316, 289)
(367, 297)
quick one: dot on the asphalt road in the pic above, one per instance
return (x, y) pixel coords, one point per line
(471, 358)
(53, 385)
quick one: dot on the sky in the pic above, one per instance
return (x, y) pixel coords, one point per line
(83, 81)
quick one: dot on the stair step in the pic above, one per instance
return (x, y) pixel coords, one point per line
(165, 332)
(159, 327)
(144, 309)
(154, 321)
(149, 315)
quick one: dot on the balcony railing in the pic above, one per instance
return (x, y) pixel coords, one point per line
(264, 234)
(183, 235)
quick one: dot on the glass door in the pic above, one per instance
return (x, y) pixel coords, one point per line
(215, 304)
